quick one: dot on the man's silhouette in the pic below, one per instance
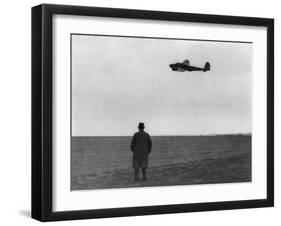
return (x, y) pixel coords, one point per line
(141, 146)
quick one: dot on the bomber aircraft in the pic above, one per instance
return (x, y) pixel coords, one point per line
(184, 66)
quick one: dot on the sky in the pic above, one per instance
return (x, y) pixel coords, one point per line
(118, 82)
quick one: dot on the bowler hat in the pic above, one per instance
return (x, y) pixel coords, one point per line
(141, 125)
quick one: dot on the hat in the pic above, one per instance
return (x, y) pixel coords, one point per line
(141, 125)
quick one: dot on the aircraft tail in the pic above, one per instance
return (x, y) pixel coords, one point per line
(207, 67)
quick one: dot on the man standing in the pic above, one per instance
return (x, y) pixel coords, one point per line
(141, 146)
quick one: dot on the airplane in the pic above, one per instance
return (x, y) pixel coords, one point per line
(184, 66)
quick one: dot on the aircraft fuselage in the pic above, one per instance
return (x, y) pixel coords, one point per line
(183, 67)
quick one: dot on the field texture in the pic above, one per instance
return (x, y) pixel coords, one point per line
(106, 162)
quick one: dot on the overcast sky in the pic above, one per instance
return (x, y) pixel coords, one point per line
(118, 82)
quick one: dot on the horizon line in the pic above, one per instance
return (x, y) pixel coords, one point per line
(170, 135)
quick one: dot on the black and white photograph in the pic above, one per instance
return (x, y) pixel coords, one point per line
(142, 112)
(153, 111)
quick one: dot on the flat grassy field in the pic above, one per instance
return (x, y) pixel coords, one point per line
(106, 162)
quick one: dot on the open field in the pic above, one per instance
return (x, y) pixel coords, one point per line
(106, 162)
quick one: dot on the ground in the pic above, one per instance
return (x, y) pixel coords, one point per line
(176, 161)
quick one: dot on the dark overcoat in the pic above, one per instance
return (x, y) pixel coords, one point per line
(141, 146)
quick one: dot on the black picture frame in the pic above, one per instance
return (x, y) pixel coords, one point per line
(42, 106)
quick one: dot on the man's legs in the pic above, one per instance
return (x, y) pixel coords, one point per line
(136, 173)
(144, 173)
